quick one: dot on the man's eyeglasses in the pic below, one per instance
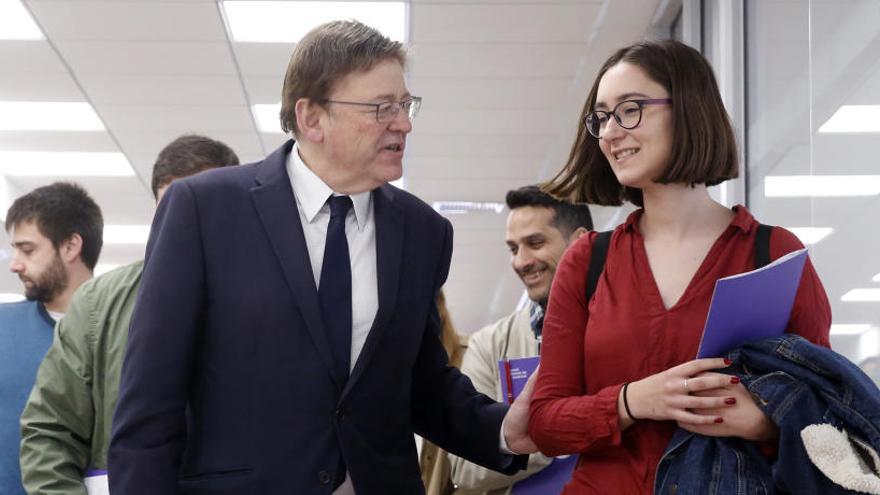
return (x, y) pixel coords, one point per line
(387, 111)
(627, 113)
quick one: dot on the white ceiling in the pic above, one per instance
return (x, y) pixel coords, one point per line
(502, 80)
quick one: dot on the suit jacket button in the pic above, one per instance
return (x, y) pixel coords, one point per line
(323, 477)
(338, 414)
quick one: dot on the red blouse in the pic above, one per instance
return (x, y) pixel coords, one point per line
(627, 334)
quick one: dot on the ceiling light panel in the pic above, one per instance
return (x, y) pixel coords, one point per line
(64, 164)
(790, 186)
(8, 297)
(48, 116)
(287, 22)
(126, 234)
(267, 116)
(811, 235)
(463, 207)
(849, 328)
(876, 278)
(853, 119)
(16, 22)
(862, 295)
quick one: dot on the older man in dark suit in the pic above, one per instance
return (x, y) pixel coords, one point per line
(285, 339)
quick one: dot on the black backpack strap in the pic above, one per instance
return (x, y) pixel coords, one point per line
(762, 245)
(597, 261)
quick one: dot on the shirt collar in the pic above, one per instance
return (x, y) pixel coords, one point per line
(742, 219)
(312, 193)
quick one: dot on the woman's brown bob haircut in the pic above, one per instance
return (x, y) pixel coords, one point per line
(703, 145)
(327, 54)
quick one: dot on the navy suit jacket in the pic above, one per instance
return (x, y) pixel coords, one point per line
(227, 385)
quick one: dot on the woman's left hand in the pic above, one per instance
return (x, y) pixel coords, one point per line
(744, 419)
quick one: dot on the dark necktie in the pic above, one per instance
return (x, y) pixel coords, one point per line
(334, 295)
(334, 291)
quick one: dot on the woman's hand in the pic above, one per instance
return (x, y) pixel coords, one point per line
(668, 395)
(744, 419)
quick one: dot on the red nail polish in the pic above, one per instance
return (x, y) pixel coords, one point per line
(734, 380)
(727, 362)
(719, 419)
(730, 400)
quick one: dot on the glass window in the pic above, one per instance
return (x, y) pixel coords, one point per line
(813, 137)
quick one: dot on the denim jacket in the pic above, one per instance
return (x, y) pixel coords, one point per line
(797, 384)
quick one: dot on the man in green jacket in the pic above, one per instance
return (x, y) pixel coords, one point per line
(65, 427)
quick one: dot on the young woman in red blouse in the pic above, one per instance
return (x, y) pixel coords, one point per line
(655, 133)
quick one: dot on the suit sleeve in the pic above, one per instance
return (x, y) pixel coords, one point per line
(479, 364)
(445, 407)
(58, 419)
(149, 429)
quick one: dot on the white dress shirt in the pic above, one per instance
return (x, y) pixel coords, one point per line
(311, 195)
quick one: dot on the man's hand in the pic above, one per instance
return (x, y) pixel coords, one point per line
(516, 422)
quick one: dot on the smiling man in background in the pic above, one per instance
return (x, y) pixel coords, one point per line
(539, 229)
(57, 233)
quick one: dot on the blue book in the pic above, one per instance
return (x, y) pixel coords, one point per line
(514, 374)
(548, 481)
(752, 305)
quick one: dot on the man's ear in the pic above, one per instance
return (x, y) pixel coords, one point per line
(578, 232)
(71, 248)
(308, 120)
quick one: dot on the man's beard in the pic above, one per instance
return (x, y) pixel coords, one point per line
(49, 284)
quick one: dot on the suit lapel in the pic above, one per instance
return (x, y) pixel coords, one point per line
(275, 204)
(389, 219)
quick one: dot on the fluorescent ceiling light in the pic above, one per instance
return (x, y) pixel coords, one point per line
(853, 118)
(126, 234)
(267, 117)
(862, 295)
(811, 235)
(64, 164)
(876, 278)
(849, 328)
(8, 297)
(462, 207)
(16, 22)
(102, 268)
(48, 116)
(789, 186)
(287, 22)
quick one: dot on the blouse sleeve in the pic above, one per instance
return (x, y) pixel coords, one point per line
(811, 313)
(563, 420)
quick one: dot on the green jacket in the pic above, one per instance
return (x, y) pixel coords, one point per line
(65, 427)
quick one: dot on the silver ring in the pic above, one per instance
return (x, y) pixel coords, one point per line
(686, 389)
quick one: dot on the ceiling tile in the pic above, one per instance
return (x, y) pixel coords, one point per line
(495, 60)
(490, 93)
(116, 21)
(149, 143)
(56, 141)
(263, 59)
(265, 89)
(143, 57)
(39, 87)
(179, 118)
(29, 57)
(464, 145)
(508, 23)
(162, 90)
